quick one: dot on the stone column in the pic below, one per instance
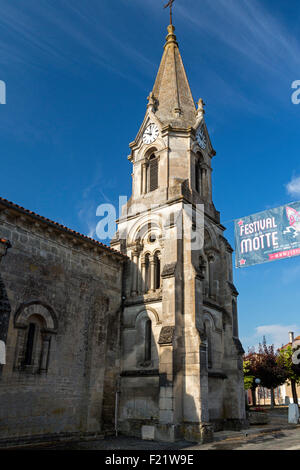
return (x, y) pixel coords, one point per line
(135, 260)
(206, 181)
(166, 429)
(143, 276)
(152, 274)
(144, 178)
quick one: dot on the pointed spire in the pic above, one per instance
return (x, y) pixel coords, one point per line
(175, 104)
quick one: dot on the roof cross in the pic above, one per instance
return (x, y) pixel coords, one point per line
(170, 5)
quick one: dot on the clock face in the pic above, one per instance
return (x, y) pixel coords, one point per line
(201, 138)
(150, 134)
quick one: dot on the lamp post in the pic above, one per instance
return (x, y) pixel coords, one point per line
(257, 381)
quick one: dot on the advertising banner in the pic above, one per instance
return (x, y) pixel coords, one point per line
(268, 236)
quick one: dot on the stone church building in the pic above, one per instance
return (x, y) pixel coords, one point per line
(140, 337)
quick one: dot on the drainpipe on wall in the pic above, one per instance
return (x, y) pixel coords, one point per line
(117, 406)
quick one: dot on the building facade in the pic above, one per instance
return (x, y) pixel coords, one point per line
(140, 338)
(60, 299)
(181, 367)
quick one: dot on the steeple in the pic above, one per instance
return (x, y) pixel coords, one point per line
(175, 104)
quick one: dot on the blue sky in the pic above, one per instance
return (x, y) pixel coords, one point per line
(77, 76)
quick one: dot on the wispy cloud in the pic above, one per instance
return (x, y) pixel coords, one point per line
(244, 26)
(92, 196)
(87, 206)
(275, 334)
(249, 42)
(86, 215)
(293, 187)
(37, 35)
(250, 29)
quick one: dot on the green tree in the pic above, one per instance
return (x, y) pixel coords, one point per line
(250, 373)
(269, 369)
(292, 370)
(248, 377)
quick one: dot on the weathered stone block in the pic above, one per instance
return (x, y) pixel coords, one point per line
(293, 417)
(257, 417)
(148, 433)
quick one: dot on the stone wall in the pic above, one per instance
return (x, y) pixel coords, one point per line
(70, 289)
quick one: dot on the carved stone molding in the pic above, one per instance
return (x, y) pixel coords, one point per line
(166, 335)
(169, 270)
(140, 373)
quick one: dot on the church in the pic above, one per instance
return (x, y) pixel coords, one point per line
(139, 338)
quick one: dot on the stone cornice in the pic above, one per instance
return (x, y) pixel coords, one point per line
(187, 131)
(12, 210)
(140, 373)
(217, 375)
(169, 270)
(144, 299)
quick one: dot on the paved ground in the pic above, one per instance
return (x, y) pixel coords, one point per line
(287, 439)
(278, 440)
(277, 435)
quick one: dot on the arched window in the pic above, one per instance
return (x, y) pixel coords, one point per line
(157, 270)
(36, 324)
(152, 174)
(147, 272)
(148, 340)
(146, 351)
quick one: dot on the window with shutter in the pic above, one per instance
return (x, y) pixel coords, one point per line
(153, 174)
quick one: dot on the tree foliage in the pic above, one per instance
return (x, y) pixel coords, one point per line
(264, 365)
(248, 376)
(269, 369)
(285, 360)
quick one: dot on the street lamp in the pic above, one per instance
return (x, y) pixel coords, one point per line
(257, 381)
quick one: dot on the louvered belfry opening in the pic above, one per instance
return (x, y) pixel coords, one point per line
(152, 173)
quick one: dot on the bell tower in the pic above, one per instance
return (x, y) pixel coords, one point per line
(181, 360)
